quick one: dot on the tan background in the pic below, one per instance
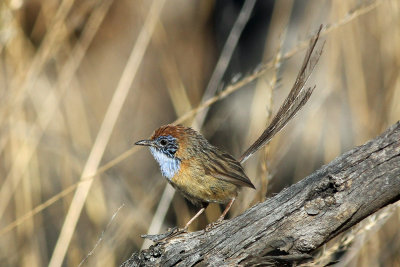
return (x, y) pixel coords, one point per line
(61, 62)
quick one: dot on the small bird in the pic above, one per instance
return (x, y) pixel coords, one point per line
(204, 173)
(200, 171)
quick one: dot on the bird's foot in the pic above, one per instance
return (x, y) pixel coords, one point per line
(164, 236)
(214, 224)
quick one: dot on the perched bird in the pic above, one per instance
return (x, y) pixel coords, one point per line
(202, 172)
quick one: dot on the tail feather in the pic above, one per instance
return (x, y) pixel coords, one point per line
(297, 98)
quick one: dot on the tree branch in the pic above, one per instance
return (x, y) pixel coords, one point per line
(291, 225)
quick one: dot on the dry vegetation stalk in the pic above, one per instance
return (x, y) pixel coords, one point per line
(60, 63)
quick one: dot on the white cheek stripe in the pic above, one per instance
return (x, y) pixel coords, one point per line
(169, 166)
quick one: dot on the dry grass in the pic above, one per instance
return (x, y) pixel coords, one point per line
(80, 81)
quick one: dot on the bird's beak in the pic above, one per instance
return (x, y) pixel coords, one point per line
(144, 143)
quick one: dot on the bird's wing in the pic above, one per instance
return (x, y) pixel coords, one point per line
(223, 166)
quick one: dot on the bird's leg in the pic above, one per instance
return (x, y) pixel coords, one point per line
(221, 218)
(228, 207)
(193, 218)
(174, 231)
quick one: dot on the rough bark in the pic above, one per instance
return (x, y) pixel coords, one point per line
(292, 224)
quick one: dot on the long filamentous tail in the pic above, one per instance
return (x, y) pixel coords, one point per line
(297, 98)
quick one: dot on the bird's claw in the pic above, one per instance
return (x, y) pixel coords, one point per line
(168, 234)
(213, 224)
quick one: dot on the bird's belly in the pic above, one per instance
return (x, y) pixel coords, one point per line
(198, 187)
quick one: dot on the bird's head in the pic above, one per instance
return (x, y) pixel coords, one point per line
(168, 145)
(165, 140)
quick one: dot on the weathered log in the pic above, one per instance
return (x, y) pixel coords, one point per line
(301, 218)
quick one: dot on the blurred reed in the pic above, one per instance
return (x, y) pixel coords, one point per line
(61, 62)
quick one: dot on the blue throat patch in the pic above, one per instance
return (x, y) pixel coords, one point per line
(169, 165)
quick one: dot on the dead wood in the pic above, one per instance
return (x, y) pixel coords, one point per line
(291, 225)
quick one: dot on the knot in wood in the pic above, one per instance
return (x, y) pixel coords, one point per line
(314, 206)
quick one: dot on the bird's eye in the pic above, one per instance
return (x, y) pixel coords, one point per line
(163, 142)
